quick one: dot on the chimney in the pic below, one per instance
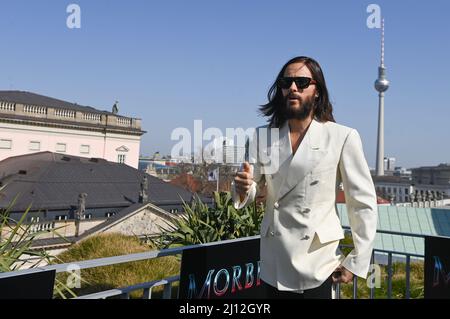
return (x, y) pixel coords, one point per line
(79, 213)
(143, 193)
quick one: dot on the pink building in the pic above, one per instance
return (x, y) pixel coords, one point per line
(31, 123)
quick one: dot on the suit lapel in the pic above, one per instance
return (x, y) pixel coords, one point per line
(283, 157)
(305, 159)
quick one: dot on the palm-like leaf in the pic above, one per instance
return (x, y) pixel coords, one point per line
(16, 247)
(201, 224)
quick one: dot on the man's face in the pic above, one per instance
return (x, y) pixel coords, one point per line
(298, 102)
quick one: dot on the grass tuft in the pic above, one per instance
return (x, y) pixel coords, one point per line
(122, 275)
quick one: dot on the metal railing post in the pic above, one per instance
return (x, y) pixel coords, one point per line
(147, 293)
(372, 288)
(355, 287)
(338, 290)
(167, 293)
(389, 275)
(407, 277)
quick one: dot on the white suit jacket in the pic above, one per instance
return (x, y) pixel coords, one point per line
(300, 231)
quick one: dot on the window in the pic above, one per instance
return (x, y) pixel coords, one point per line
(61, 217)
(34, 219)
(107, 215)
(34, 146)
(121, 158)
(406, 191)
(88, 216)
(60, 147)
(84, 149)
(5, 144)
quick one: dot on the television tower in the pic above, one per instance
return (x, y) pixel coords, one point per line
(381, 85)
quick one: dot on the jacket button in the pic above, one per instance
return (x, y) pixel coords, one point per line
(276, 205)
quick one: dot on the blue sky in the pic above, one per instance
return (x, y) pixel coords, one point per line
(173, 62)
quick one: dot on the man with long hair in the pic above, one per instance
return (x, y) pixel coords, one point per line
(301, 230)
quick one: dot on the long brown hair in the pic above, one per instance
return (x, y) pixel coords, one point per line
(323, 110)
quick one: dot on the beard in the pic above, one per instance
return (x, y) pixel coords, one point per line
(298, 113)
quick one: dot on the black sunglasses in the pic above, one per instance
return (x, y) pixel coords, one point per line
(301, 82)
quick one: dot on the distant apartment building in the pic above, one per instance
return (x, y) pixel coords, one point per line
(221, 150)
(233, 154)
(389, 163)
(31, 123)
(400, 188)
(422, 184)
(402, 171)
(435, 178)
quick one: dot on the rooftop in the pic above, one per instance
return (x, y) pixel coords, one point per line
(29, 98)
(34, 109)
(408, 220)
(442, 166)
(54, 181)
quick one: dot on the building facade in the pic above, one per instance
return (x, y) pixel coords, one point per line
(389, 163)
(432, 175)
(426, 184)
(395, 187)
(233, 154)
(31, 123)
(432, 178)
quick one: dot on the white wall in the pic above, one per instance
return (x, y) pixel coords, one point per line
(100, 145)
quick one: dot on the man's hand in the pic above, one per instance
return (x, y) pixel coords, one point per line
(342, 275)
(243, 180)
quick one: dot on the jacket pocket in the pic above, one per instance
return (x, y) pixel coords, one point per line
(328, 232)
(322, 185)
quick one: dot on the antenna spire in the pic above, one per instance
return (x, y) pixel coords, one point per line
(382, 43)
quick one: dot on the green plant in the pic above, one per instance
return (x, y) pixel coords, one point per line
(16, 239)
(202, 224)
(120, 275)
(398, 283)
(398, 279)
